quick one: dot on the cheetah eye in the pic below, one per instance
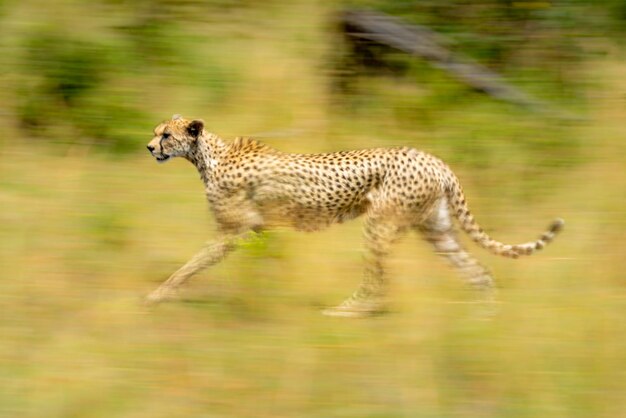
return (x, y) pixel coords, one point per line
(165, 135)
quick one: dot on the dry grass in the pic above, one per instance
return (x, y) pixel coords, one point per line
(84, 236)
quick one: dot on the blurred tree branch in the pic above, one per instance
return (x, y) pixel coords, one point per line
(422, 42)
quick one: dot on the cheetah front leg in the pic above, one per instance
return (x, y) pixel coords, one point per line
(212, 253)
(369, 298)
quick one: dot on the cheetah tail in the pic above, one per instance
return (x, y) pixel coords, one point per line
(456, 201)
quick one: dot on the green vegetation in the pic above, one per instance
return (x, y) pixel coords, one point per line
(89, 223)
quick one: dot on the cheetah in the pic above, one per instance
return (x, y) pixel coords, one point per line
(251, 186)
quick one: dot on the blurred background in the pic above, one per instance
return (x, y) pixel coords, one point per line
(526, 100)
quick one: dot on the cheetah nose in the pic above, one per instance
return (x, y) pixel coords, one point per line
(150, 148)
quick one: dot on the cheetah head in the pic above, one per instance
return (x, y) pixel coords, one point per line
(175, 138)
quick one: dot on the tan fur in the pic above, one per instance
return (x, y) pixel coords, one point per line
(251, 186)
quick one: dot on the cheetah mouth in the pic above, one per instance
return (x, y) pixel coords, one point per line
(162, 158)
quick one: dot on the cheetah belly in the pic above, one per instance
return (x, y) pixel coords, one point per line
(309, 207)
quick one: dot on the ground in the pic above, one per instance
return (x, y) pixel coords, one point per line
(84, 236)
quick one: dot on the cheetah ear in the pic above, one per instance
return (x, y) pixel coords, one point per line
(177, 116)
(195, 128)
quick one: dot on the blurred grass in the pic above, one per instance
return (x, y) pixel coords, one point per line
(85, 232)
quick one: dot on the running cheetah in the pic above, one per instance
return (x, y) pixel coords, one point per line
(250, 186)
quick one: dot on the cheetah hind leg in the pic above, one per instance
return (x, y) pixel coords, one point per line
(370, 297)
(438, 230)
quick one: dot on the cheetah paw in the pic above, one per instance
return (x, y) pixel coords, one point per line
(160, 295)
(356, 309)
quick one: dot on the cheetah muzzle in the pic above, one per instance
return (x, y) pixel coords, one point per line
(251, 186)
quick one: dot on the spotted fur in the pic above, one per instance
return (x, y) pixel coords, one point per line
(251, 186)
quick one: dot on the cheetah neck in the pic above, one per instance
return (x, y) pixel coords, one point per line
(206, 155)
